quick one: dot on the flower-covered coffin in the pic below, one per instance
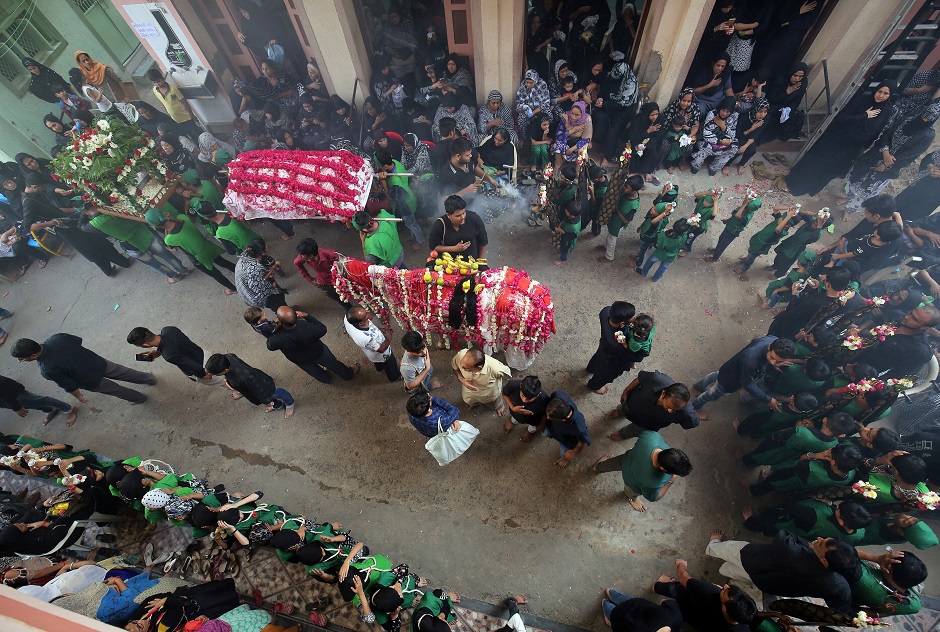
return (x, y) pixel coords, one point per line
(297, 184)
(513, 313)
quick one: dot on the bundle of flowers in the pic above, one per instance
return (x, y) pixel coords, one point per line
(876, 301)
(853, 342)
(862, 620)
(103, 161)
(928, 501)
(863, 386)
(901, 384)
(883, 331)
(823, 213)
(695, 220)
(866, 489)
(513, 313)
(298, 184)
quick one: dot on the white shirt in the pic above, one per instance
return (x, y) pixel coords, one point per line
(369, 340)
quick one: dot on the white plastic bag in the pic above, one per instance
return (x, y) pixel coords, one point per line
(447, 446)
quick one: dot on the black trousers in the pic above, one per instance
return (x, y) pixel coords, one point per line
(323, 367)
(95, 248)
(390, 366)
(215, 273)
(604, 370)
(724, 240)
(616, 138)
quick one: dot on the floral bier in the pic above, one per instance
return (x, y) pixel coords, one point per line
(455, 301)
(280, 184)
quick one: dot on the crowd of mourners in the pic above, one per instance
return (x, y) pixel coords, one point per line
(836, 356)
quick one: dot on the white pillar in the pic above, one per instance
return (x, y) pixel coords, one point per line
(498, 29)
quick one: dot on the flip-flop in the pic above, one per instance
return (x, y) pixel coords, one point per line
(108, 538)
(70, 421)
(148, 554)
(49, 417)
(317, 604)
(771, 158)
(42, 264)
(256, 595)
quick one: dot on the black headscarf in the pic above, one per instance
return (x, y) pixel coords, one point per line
(45, 83)
(150, 125)
(865, 128)
(641, 123)
(777, 90)
(180, 160)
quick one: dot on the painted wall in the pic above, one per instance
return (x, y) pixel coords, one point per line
(21, 126)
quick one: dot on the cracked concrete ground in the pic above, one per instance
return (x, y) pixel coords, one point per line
(499, 520)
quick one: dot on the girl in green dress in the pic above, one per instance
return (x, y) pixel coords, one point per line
(434, 611)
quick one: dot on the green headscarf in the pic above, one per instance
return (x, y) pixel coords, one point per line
(155, 217)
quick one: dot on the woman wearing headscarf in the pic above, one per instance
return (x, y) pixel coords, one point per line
(214, 151)
(430, 86)
(375, 117)
(380, 140)
(712, 82)
(718, 32)
(97, 74)
(459, 80)
(647, 135)
(150, 118)
(748, 134)
(532, 97)
(753, 20)
(169, 612)
(466, 126)
(30, 164)
(538, 37)
(619, 92)
(275, 118)
(686, 106)
(494, 114)
(792, 20)
(922, 195)
(176, 157)
(43, 81)
(561, 71)
(313, 87)
(900, 145)
(917, 94)
(388, 91)
(853, 130)
(718, 138)
(414, 155)
(785, 94)
(575, 130)
(343, 122)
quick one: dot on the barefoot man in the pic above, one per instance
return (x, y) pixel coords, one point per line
(649, 468)
(253, 384)
(481, 378)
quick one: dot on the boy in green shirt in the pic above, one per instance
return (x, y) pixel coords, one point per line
(380, 243)
(811, 519)
(622, 215)
(398, 189)
(765, 422)
(649, 468)
(667, 249)
(734, 226)
(600, 184)
(886, 583)
(706, 208)
(655, 222)
(139, 242)
(180, 232)
(787, 446)
(233, 234)
(809, 377)
(768, 236)
(569, 229)
(780, 290)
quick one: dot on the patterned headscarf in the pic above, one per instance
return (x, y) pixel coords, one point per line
(761, 103)
(494, 95)
(693, 113)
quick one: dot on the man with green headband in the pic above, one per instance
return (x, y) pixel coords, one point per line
(140, 242)
(190, 187)
(380, 242)
(232, 233)
(180, 232)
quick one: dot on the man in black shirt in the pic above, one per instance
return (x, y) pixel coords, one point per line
(63, 360)
(790, 566)
(462, 174)
(459, 231)
(705, 606)
(15, 397)
(176, 348)
(527, 403)
(298, 338)
(613, 353)
(907, 351)
(40, 212)
(253, 384)
(651, 402)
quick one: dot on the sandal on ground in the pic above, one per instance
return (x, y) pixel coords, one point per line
(42, 263)
(771, 158)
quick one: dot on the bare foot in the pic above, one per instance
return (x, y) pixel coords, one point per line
(702, 417)
(287, 237)
(602, 390)
(736, 423)
(436, 383)
(615, 436)
(559, 262)
(637, 504)
(229, 292)
(288, 412)
(50, 416)
(738, 454)
(725, 171)
(507, 425)
(500, 410)
(599, 461)
(236, 395)
(741, 170)
(520, 600)
(356, 368)
(615, 414)
(738, 270)
(526, 437)
(664, 578)
(708, 259)
(73, 417)
(747, 512)
(604, 260)
(3, 338)
(745, 482)
(717, 534)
